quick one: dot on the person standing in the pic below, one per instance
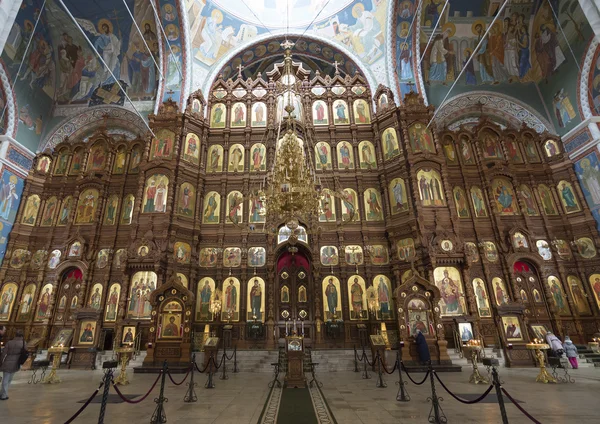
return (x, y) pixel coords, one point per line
(571, 351)
(10, 362)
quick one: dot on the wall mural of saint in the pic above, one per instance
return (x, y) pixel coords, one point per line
(97, 157)
(259, 115)
(383, 289)
(568, 197)
(366, 153)
(481, 297)
(76, 162)
(208, 257)
(43, 305)
(340, 112)
(504, 197)
(182, 252)
(214, 159)
(327, 206)
(398, 196)
(421, 138)
(558, 296)
(87, 206)
(449, 281)
(513, 151)
(362, 114)
(235, 208)
(357, 299)
(204, 299)
(136, 159)
(389, 142)
(112, 303)
(217, 115)
(30, 213)
(500, 293)
(530, 206)
(143, 283)
(462, 204)
(191, 149)
(120, 161)
(238, 115)
(466, 152)
(95, 300)
(319, 113)
(211, 210)
(7, 300)
(256, 300)
(230, 308)
(49, 213)
(110, 214)
(329, 256)
(258, 158)
(127, 211)
(578, 295)
(490, 145)
(332, 299)
(345, 155)
(478, 202)
(155, 194)
(431, 189)
(449, 152)
(26, 304)
(186, 203)
(257, 256)
(373, 205)
(162, 145)
(236, 158)
(60, 167)
(323, 156)
(232, 257)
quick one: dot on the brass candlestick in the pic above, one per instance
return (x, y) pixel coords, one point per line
(125, 353)
(476, 377)
(543, 376)
(57, 351)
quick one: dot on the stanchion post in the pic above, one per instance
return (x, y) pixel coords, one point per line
(402, 395)
(108, 374)
(235, 368)
(436, 415)
(210, 383)
(159, 416)
(355, 360)
(493, 362)
(224, 375)
(190, 394)
(380, 383)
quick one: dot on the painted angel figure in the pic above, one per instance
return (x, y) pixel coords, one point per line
(108, 44)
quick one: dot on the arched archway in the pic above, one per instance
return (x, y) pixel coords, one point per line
(68, 297)
(529, 290)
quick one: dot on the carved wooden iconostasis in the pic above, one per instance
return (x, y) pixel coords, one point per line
(490, 216)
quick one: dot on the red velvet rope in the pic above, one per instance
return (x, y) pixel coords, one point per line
(205, 368)
(411, 379)
(85, 405)
(461, 400)
(139, 400)
(385, 369)
(182, 381)
(519, 407)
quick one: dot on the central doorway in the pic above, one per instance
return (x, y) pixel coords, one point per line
(293, 294)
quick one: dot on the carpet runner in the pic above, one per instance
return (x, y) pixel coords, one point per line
(296, 406)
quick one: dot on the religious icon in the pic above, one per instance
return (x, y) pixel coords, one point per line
(191, 150)
(18, 258)
(472, 252)
(136, 159)
(230, 310)
(205, 297)
(512, 329)
(120, 258)
(562, 248)
(481, 297)
(285, 294)
(87, 332)
(345, 155)
(143, 283)
(568, 197)
(465, 330)
(155, 194)
(30, 213)
(446, 245)
(143, 251)
(196, 106)
(112, 303)
(127, 213)
(258, 161)
(539, 331)
(75, 250)
(490, 145)
(95, 301)
(450, 153)
(357, 298)
(551, 148)
(182, 280)
(238, 115)
(421, 138)
(11, 188)
(373, 205)
(389, 142)
(186, 203)
(544, 249)
(594, 281)
(232, 257)
(558, 295)
(500, 293)
(327, 206)
(536, 296)
(448, 280)
(350, 205)
(86, 207)
(332, 299)
(214, 159)
(490, 251)
(353, 255)
(54, 259)
(60, 168)
(319, 113)
(383, 101)
(257, 208)
(578, 295)
(43, 164)
(25, 306)
(322, 156)
(259, 115)
(162, 145)
(128, 336)
(43, 308)
(217, 116)
(588, 172)
(362, 115)
(398, 196)
(340, 112)
(520, 241)
(257, 256)
(302, 294)
(466, 152)
(236, 158)
(102, 259)
(182, 252)
(38, 259)
(529, 201)
(97, 157)
(406, 249)
(256, 299)
(513, 152)
(110, 216)
(504, 196)
(366, 153)
(49, 212)
(585, 247)
(172, 32)
(462, 205)
(329, 256)
(170, 325)
(235, 206)
(431, 190)
(120, 159)
(384, 297)
(547, 200)
(379, 254)
(208, 257)
(76, 162)
(7, 300)
(531, 150)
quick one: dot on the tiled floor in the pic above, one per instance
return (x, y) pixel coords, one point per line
(353, 400)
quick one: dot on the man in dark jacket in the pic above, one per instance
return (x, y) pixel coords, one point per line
(9, 360)
(422, 348)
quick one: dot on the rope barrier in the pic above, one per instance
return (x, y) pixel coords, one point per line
(385, 369)
(357, 358)
(232, 355)
(139, 400)
(461, 400)
(85, 405)
(182, 381)
(519, 407)
(411, 379)
(220, 362)
(371, 364)
(205, 368)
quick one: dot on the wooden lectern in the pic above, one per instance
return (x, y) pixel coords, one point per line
(294, 348)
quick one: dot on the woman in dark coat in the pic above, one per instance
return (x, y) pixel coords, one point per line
(422, 347)
(9, 360)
